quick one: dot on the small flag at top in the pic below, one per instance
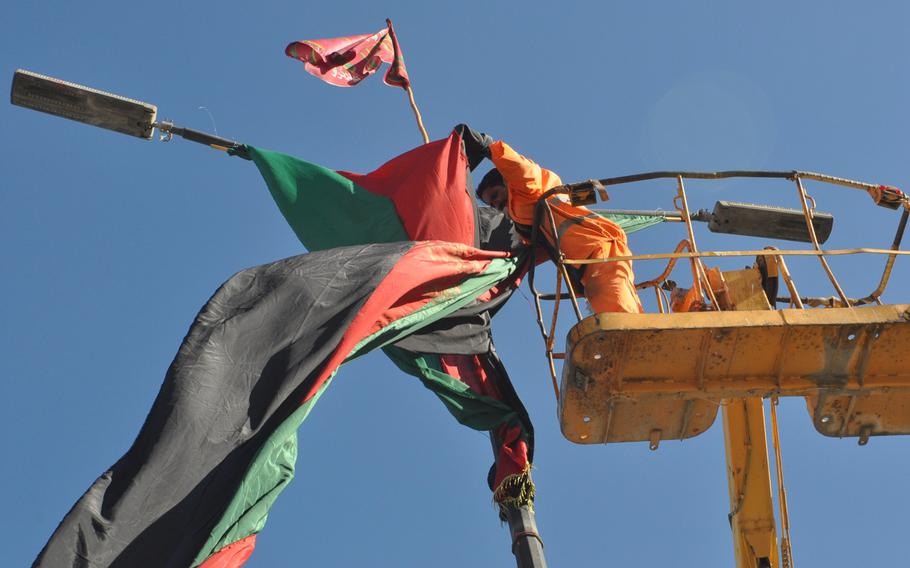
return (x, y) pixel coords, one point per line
(345, 61)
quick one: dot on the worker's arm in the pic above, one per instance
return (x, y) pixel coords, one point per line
(476, 144)
(520, 173)
(525, 180)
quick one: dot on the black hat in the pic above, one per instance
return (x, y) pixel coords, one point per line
(491, 179)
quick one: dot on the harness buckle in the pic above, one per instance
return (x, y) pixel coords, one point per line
(587, 192)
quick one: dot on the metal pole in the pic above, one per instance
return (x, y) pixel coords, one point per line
(526, 543)
(168, 129)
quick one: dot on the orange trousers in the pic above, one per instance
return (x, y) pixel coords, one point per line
(610, 286)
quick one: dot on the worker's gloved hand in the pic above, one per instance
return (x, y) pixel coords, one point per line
(476, 144)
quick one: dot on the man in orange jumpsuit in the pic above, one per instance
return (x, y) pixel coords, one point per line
(517, 184)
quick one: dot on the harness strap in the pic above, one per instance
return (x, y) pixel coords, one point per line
(575, 272)
(571, 222)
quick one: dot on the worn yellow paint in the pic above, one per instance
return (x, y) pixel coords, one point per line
(654, 377)
(629, 374)
(749, 482)
(746, 445)
(745, 287)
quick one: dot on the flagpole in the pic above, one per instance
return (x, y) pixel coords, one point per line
(403, 80)
(423, 131)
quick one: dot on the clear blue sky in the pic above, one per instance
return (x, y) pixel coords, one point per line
(110, 245)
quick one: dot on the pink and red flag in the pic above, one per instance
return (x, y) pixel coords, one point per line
(345, 61)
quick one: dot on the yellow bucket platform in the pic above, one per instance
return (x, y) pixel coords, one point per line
(653, 377)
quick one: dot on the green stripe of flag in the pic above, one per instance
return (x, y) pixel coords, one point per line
(324, 208)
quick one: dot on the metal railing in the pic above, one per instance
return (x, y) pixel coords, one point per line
(585, 193)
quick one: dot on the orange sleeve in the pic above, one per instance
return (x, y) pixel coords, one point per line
(525, 180)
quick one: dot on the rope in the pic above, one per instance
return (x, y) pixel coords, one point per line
(522, 534)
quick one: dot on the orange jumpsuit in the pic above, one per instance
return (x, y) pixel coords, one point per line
(609, 286)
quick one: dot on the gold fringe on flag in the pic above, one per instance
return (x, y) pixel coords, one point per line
(516, 490)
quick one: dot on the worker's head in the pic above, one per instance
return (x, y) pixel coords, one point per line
(492, 190)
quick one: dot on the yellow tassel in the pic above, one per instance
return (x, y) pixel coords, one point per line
(516, 490)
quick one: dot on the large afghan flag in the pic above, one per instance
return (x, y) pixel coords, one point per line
(420, 195)
(219, 443)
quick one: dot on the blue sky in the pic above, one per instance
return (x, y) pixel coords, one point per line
(111, 245)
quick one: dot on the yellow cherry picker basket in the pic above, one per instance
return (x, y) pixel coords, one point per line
(721, 344)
